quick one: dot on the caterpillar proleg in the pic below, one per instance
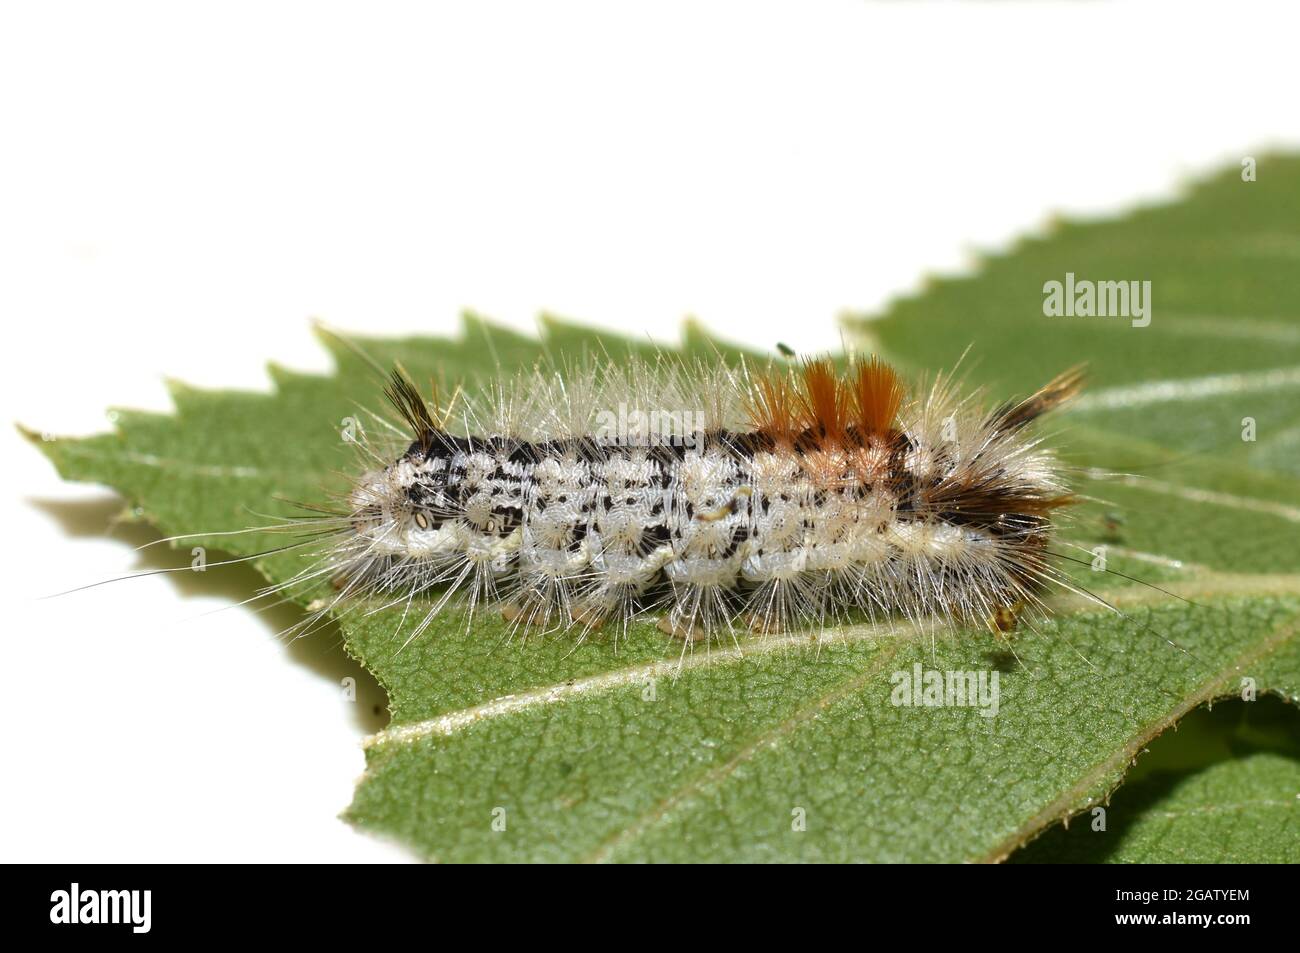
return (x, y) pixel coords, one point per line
(718, 499)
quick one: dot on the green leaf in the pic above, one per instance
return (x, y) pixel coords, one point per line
(790, 748)
(1220, 789)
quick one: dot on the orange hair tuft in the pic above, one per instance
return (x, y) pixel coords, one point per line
(772, 406)
(877, 396)
(823, 403)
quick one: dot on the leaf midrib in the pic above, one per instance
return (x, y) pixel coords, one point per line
(1202, 586)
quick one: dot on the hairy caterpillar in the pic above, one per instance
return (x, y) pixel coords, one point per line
(800, 495)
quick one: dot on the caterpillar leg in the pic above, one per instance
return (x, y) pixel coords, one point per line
(682, 627)
(543, 603)
(590, 615)
(1005, 619)
(521, 613)
(700, 611)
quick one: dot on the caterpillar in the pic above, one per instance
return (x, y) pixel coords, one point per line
(726, 500)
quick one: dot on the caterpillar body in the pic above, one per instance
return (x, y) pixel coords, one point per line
(807, 493)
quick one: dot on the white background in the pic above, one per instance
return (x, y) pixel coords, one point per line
(183, 186)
